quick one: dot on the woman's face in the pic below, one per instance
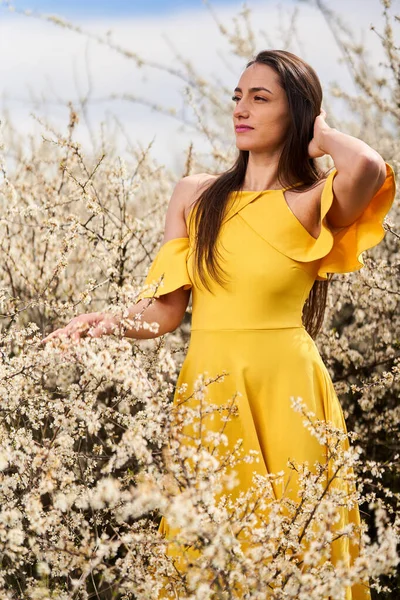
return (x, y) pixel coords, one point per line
(261, 115)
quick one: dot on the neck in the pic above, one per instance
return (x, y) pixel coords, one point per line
(262, 171)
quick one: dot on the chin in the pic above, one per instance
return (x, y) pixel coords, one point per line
(242, 145)
(258, 148)
(249, 147)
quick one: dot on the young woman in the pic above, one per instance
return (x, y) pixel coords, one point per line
(257, 246)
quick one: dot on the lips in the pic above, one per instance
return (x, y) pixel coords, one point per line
(240, 128)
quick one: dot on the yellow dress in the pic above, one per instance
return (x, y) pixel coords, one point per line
(252, 328)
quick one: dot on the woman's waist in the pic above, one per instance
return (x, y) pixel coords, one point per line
(250, 321)
(245, 316)
(252, 346)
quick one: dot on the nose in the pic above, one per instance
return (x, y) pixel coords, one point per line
(240, 109)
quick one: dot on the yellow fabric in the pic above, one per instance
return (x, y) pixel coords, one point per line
(168, 271)
(252, 328)
(367, 231)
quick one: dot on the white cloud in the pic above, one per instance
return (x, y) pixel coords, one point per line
(41, 61)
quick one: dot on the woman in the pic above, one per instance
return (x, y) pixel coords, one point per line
(257, 246)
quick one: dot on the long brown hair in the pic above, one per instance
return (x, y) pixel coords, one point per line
(304, 94)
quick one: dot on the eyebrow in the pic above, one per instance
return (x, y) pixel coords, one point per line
(254, 89)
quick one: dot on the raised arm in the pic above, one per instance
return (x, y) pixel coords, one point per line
(361, 171)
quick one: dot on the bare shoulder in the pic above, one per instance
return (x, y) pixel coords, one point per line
(185, 193)
(192, 187)
(197, 183)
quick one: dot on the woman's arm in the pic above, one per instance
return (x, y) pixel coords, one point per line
(167, 310)
(361, 171)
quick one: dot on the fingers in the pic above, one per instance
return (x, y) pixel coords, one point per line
(75, 336)
(102, 328)
(73, 332)
(53, 335)
(96, 332)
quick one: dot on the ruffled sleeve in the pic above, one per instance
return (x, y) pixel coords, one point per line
(345, 254)
(168, 271)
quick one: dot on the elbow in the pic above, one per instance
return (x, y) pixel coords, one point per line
(174, 308)
(373, 167)
(174, 323)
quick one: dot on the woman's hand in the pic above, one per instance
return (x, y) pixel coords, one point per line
(91, 324)
(315, 147)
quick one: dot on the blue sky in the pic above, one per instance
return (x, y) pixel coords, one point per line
(103, 8)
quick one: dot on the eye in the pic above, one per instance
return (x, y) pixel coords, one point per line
(237, 98)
